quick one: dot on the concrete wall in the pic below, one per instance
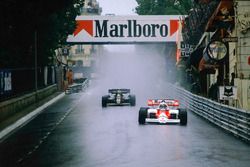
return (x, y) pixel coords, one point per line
(13, 106)
(243, 89)
(243, 34)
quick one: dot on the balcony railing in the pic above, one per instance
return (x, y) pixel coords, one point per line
(91, 10)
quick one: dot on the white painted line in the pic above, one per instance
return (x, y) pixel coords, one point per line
(28, 117)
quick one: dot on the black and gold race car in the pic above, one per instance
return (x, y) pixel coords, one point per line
(118, 97)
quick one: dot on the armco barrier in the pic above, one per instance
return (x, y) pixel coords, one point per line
(77, 87)
(233, 120)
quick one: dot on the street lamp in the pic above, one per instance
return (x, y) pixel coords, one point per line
(35, 63)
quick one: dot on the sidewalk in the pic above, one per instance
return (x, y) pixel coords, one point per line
(21, 118)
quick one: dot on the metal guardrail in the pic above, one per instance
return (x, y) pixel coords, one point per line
(77, 87)
(233, 120)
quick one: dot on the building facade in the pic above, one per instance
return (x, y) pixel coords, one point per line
(82, 57)
(219, 65)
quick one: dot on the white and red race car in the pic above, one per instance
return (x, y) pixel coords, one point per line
(162, 111)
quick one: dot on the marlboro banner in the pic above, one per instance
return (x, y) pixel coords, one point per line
(125, 29)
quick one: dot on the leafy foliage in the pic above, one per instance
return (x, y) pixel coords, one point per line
(52, 21)
(163, 7)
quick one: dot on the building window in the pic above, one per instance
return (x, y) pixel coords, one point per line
(79, 49)
(79, 63)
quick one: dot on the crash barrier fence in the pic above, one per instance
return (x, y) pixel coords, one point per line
(233, 120)
(19, 81)
(77, 86)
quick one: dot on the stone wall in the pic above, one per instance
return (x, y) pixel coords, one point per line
(13, 106)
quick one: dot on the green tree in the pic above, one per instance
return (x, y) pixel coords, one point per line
(20, 20)
(163, 7)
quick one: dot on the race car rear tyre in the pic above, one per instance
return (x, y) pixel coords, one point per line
(132, 100)
(183, 116)
(142, 115)
(104, 101)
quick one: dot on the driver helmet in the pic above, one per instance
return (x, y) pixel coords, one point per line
(163, 106)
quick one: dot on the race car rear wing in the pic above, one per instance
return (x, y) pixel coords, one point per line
(115, 91)
(169, 102)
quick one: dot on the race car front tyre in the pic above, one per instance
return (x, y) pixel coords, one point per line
(142, 115)
(104, 101)
(183, 116)
(132, 100)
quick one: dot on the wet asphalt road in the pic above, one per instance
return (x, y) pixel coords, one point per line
(77, 132)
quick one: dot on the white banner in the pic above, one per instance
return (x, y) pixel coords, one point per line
(125, 29)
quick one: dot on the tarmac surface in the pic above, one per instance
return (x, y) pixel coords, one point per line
(75, 131)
